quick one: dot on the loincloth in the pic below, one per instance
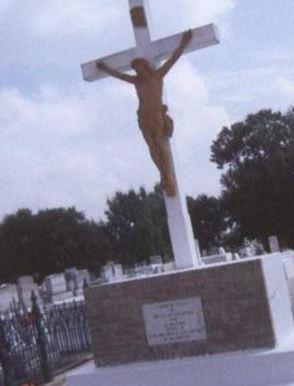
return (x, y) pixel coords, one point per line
(155, 122)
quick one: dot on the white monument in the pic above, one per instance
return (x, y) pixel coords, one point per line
(179, 222)
(274, 244)
(55, 287)
(8, 296)
(229, 324)
(185, 322)
(112, 272)
(25, 286)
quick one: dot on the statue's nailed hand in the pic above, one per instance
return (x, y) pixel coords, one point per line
(186, 38)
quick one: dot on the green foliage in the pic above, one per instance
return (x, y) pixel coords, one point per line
(137, 226)
(48, 242)
(208, 220)
(55, 239)
(258, 183)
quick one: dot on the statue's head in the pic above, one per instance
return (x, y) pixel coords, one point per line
(141, 66)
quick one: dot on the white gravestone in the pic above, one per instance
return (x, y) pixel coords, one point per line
(112, 272)
(25, 286)
(174, 321)
(56, 288)
(274, 244)
(179, 222)
(8, 295)
(56, 283)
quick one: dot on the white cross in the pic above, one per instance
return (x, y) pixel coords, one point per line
(153, 51)
(179, 222)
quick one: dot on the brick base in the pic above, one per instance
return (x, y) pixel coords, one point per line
(235, 307)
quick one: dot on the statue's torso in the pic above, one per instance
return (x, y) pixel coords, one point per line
(149, 90)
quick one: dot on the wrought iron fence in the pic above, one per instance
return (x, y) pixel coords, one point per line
(35, 345)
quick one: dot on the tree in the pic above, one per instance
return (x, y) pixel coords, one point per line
(258, 183)
(137, 225)
(55, 239)
(49, 242)
(15, 241)
(208, 220)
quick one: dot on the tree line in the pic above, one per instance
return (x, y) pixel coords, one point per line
(257, 200)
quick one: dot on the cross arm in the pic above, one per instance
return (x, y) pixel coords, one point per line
(163, 70)
(202, 37)
(119, 62)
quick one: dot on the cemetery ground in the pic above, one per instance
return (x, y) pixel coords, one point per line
(60, 380)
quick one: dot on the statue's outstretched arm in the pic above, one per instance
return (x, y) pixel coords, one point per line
(116, 74)
(186, 38)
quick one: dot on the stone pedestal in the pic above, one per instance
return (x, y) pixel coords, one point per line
(226, 323)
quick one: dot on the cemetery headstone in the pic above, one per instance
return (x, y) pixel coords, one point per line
(8, 295)
(112, 272)
(56, 288)
(274, 244)
(25, 286)
(75, 280)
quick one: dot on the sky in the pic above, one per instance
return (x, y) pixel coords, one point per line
(66, 142)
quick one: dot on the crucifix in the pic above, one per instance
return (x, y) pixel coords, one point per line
(154, 121)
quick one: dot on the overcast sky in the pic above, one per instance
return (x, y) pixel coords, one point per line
(66, 142)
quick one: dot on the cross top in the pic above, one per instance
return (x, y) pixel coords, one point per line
(151, 50)
(141, 28)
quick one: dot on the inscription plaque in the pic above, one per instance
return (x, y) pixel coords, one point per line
(174, 321)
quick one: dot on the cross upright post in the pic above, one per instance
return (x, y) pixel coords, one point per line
(179, 221)
(141, 29)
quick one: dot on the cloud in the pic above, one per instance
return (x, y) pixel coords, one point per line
(198, 122)
(67, 18)
(189, 14)
(4, 4)
(67, 149)
(285, 87)
(53, 37)
(78, 148)
(209, 9)
(65, 142)
(267, 83)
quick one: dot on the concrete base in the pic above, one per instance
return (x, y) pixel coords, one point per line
(262, 368)
(245, 304)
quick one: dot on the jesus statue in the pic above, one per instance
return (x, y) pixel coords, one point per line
(154, 121)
